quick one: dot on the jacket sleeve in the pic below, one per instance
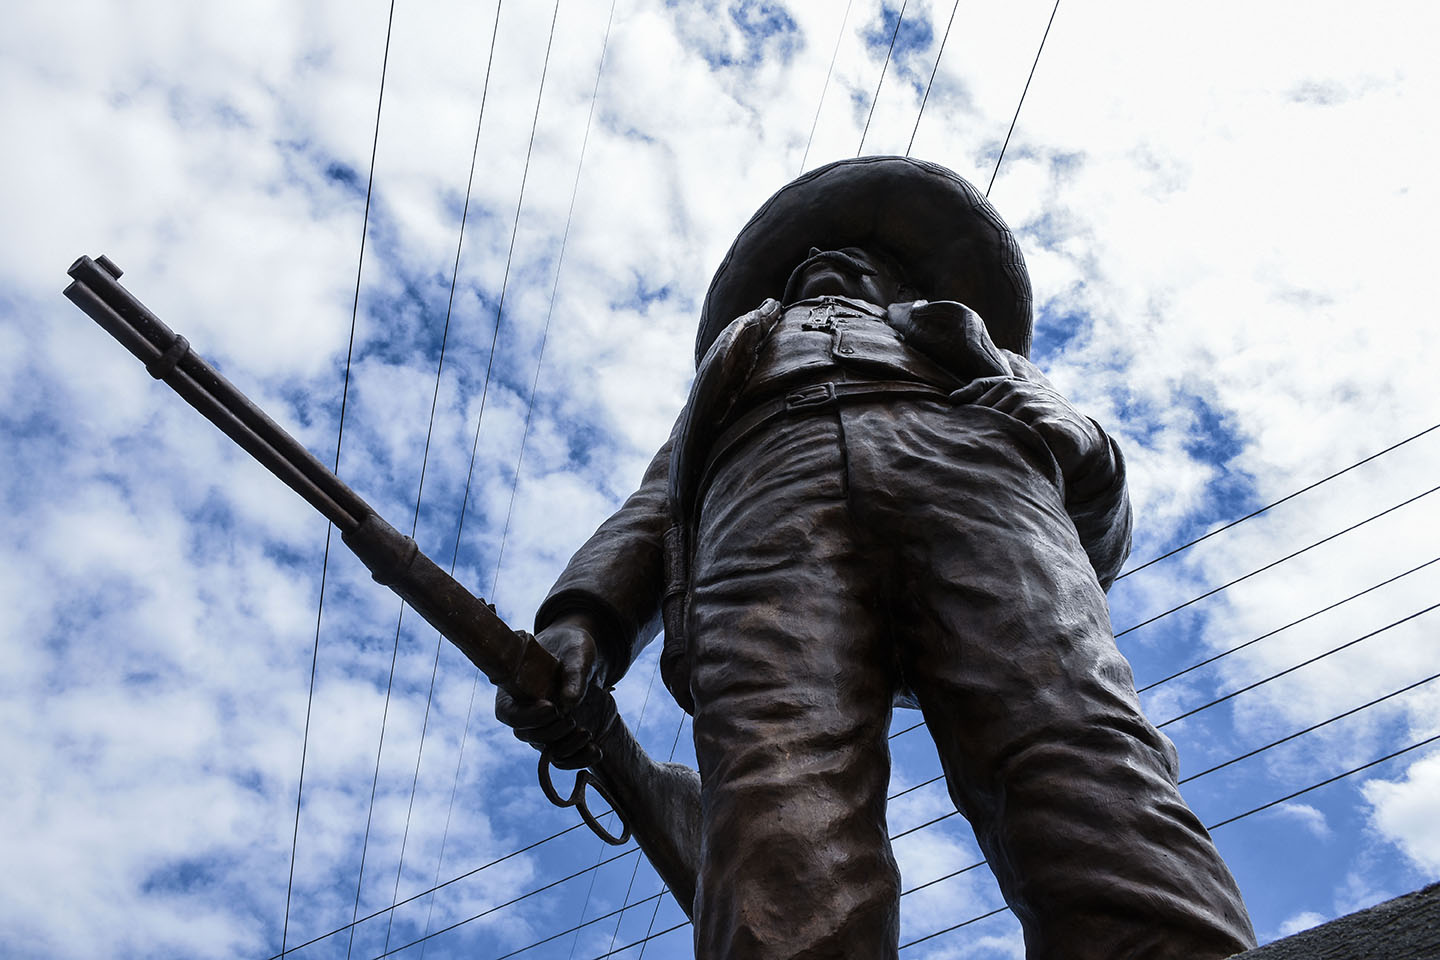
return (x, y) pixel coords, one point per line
(1099, 504)
(617, 576)
(1097, 498)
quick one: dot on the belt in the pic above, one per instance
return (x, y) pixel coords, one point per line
(804, 402)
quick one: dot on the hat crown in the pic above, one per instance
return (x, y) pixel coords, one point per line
(946, 237)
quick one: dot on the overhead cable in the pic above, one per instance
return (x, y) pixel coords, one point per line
(931, 82)
(816, 122)
(885, 66)
(1276, 563)
(980, 863)
(1310, 729)
(439, 886)
(339, 438)
(439, 640)
(1287, 497)
(998, 160)
(508, 903)
(1275, 676)
(529, 410)
(1309, 616)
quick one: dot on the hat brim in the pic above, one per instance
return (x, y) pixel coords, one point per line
(947, 238)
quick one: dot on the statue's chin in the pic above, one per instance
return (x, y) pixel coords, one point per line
(826, 283)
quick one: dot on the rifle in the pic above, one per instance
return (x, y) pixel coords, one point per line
(657, 802)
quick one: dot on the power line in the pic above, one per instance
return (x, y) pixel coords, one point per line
(464, 876)
(1287, 497)
(1292, 623)
(508, 903)
(977, 864)
(816, 122)
(339, 438)
(639, 724)
(1326, 782)
(1305, 663)
(424, 461)
(931, 82)
(996, 172)
(954, 927)
(530, 407)
(883, 67)
(439, 641)
(1313, 727)
(1276, 563)
(1194, 776)
(594, 920)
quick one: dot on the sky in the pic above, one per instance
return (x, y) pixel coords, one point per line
(1227, 211)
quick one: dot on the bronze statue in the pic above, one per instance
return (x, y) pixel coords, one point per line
(873, 498)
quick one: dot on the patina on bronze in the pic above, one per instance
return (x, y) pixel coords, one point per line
(873, 497)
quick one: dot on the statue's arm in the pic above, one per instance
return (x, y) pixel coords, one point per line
(615, 580)
(1096, 496)
(1099, 504)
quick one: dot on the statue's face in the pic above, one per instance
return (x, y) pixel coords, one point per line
(850, 272)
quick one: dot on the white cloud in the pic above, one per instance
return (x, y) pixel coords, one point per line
(1303, 920)
(1404, 812)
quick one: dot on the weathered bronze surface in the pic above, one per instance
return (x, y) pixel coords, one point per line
(873, 497)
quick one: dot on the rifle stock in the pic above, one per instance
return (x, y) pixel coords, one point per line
(659, 803)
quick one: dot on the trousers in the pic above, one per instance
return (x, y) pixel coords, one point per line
(922, 550)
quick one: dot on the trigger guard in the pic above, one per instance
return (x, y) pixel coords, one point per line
(578, 799)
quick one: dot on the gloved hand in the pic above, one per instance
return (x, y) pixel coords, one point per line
(541, 723)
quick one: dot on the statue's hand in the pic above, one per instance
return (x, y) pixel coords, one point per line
(1074, 439)
(541, 723)
(951, 334)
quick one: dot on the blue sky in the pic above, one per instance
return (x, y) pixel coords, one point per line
(1230, 239)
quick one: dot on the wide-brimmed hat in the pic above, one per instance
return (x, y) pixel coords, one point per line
(949, 241)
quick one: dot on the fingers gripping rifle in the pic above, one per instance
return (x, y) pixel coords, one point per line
(658, 802)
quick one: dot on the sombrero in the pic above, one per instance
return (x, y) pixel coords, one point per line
(950, 242)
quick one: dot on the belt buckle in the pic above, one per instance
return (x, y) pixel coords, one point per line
(816, 397)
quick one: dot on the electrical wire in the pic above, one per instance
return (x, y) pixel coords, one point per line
(996, 172)
(467, 874)
(816, 122)
(1315, 726)
(339, 438)
(663, 887)
(508, 903)
(1276, 563)
(885, 66)
(1275, 676)
(439, 640)
(1309, 616)
(574, 191)
(931, 82)
(1289, 496)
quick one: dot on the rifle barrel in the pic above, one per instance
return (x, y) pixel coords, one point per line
(150, 340)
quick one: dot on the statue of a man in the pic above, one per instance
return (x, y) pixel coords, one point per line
(873, 498)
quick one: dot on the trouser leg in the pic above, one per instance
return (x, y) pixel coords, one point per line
(792, 690)
(1006, 642)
